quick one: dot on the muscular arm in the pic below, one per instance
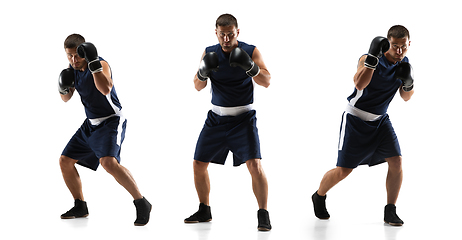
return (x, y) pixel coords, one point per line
(198, 84)
(103, 80)
(264, 77)
(363, 75)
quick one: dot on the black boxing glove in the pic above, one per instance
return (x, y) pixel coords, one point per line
(88, 51)
(405, 73)
(209, 63)
(66, 80)
(239, 58)
(379, 46)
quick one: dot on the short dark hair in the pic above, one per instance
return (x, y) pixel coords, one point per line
(398, 31)
(73, 41)
(226, 20)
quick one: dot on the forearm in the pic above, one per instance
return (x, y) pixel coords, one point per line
(102, 83)
(198, 84)
(363, 75)
(406, 96)
(263, 78)
(68, 96)
(103, 80)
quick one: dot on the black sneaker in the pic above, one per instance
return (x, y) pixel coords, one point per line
(391, 217)
(143, 210)
(202, 215)
(319, 204)
(79, 210)
(263, 220)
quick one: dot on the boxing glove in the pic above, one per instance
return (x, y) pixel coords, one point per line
(88, 51)
(379, 45)
(239, 58)
(66, 80)
(405, 73)
(209, 63)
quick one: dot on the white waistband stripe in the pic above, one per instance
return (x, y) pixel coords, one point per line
(231, 111)
(365, 116)
(98, 121)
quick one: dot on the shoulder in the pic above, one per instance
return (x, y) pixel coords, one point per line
(247, 47)
(213, 48)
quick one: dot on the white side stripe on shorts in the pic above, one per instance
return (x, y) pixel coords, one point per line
(119, 130)
(342, 131)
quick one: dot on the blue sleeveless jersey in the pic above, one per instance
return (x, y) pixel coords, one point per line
(376, 97)
(231, 86)
(96, 104)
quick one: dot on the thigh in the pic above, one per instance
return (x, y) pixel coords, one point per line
(243, 139)
(211, 144)
(389, 144)
(78, 148)
(358, 141)
(107, 138)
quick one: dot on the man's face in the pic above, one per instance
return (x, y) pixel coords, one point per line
(227, 37)
(75, 60)
(398, 49)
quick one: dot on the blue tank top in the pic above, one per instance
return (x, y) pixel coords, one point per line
(96, 104)
(231, 86)
(376, 97)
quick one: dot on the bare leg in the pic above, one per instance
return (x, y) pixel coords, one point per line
(394, 179)
(122, 176)
(71, 176)
(259, 182)
(331, 178)
(202, 181)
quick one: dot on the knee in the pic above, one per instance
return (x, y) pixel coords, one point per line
(109, 163)
(344, 172)
(255, 167)
(395, 163)
(199, 167)
(66, 162)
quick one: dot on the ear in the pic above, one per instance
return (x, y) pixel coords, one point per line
(237, 32)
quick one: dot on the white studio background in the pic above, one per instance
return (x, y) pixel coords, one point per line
(311, 49)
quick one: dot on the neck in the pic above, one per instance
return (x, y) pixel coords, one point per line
(390, 59)
(230, 49)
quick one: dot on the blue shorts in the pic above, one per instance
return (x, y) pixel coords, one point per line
(366, 142)
(90, 142)
(221, 134)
